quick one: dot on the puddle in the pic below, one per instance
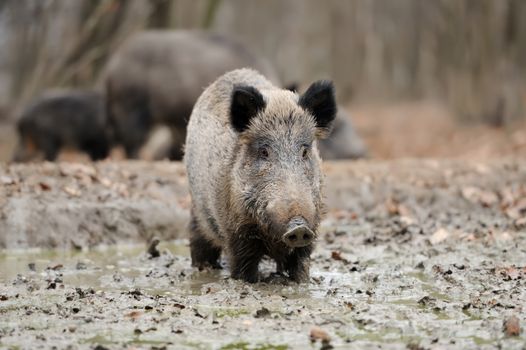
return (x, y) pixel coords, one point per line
(382, 295)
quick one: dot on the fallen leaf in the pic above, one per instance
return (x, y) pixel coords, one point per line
(512, 327)
(44, 186)
(134, 315)
(511, 272)
(316, 333)
(262, 313)
(477, 195)
(56, 267)
(407, 220)
(72, 191)
(6, 180)
(440, 235)
(104, 181)
(77, 170)
(336, 255)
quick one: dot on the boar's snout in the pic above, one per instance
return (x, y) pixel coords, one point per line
(298, 233)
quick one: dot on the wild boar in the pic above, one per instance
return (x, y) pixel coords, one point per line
(343, 142)
(73, 119)
(156, 77)
(254, 172)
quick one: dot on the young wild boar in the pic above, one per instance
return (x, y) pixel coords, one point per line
(254, 170)
(63, 119)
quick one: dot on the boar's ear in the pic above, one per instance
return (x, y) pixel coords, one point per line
(319, 100)
(246, 103)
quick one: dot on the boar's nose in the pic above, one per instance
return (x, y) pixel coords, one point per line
(298, 233)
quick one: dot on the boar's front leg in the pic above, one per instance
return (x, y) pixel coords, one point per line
(204, 253)
(297, 264)
(245, 254)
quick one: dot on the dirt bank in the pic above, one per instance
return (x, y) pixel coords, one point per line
(413, 254)
(81, 205)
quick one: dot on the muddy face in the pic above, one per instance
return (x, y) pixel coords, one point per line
(277, 173)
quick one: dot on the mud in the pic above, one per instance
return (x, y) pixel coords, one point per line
(414, 254)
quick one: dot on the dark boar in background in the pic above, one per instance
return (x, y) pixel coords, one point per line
(156, 77)
(254, 173)
(343, 142)
(63, 120)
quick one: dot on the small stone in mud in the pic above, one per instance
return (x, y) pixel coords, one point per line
(52, 285)
(153, 252)
(512, 327)
(262, 313)
(3, 297)
(32, 266)
(276, 278)
(420, 265)
(316, 333)
(414, 346)
(135, 292)
(179, 306)
(81, 266)
(100, 347)
(426, 300)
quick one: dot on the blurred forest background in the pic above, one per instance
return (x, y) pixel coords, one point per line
(464, 58)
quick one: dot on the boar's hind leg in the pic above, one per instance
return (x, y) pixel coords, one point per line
(204, 253)
(97, 149)
(245, 255)
(50, 146)
(297, 264)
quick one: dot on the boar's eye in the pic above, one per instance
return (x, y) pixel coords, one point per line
(263, 152)
(305, 151)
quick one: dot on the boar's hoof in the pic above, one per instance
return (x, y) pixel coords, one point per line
(277, 278)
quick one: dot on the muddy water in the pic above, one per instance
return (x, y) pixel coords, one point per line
(364, 294)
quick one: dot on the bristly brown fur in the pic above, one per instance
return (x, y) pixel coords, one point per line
(249, 176)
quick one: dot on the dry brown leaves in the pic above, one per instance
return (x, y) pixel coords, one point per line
(316, 333)
(476, 195)
(511, 272)
(439, 235)
(336, 255)
(394, 207)
(512, 326)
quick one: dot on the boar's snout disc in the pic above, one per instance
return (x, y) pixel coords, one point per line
(298, 233)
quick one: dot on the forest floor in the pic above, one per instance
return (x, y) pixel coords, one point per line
(413, 254)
